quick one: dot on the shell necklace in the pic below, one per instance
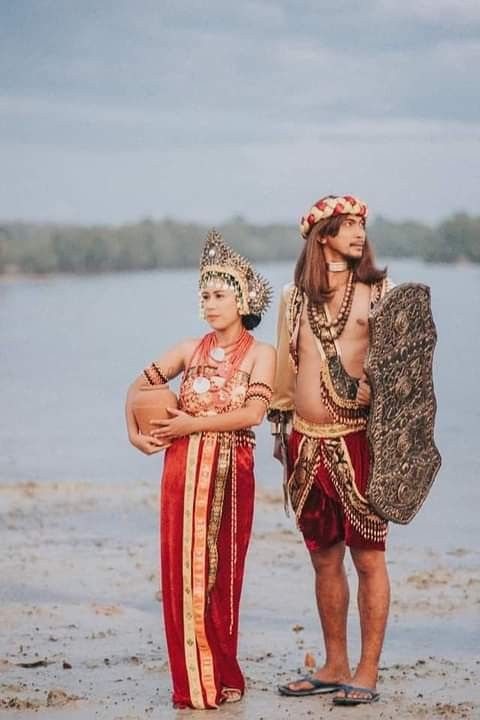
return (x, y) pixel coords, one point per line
(227, 358)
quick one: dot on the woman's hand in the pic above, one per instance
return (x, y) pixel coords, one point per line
(180, 424)
(364, 392)
(147, 445)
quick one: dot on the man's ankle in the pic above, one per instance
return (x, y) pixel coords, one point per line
(334, 670)
(366, 672)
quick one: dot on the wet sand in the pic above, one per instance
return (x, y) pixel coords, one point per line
(81, 631)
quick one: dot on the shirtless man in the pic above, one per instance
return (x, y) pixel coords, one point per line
(322, 396)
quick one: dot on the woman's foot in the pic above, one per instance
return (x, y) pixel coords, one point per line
(231, 695)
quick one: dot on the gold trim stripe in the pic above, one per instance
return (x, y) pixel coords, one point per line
(223, 465)
(322, 430)
(348, 460)
(199, 567)
(190, 644)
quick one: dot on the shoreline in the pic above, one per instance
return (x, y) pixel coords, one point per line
(11, 277)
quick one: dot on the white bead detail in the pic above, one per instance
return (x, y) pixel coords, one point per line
(201, 385)
(218, 354)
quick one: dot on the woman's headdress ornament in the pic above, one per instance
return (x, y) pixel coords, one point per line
(221, 267)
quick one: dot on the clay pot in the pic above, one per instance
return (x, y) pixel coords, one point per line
(150, 402)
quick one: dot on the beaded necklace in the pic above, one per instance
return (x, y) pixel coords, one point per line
(321, 326)
(337, 388)
(226, 361)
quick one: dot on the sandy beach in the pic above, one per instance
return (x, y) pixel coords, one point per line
(81, 631)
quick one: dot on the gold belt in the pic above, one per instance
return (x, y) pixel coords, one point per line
(245, 436)
(322, 430)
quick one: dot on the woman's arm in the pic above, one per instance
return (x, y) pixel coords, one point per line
(252, 413)
(169, 365)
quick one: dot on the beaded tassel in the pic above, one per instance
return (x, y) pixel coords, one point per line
(233, 532)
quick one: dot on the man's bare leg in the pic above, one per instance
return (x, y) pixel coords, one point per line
(373, 605)
(331, 589)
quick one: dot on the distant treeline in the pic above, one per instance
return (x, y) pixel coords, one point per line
(48, 248)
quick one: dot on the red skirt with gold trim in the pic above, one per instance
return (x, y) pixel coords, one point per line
(206, 512)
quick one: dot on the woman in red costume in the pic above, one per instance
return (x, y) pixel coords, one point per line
(207, 491)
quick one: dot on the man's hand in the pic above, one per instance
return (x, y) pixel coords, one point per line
(364, 392)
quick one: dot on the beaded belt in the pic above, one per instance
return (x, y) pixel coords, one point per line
(245, 436)
(322, 430)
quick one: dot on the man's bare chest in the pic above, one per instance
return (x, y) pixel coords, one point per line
(355, 331)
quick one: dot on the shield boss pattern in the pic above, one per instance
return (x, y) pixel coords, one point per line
(405, 459)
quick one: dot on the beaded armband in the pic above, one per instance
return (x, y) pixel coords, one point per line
(281, 420)
(259, 391)
(154, 375)
(257, 396)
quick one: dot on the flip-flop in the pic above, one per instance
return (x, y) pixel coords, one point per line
(318, 687)
(347, 699)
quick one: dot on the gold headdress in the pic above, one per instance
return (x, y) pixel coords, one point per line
(220, 266)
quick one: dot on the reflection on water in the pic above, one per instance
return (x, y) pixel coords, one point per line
(71, 346)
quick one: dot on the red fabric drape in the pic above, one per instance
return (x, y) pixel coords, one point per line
(221, 608)
(323, 521)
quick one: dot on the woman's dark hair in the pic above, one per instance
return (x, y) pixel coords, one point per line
(250, 321)
(311, 269)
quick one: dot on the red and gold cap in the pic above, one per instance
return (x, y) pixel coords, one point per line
(330, 206)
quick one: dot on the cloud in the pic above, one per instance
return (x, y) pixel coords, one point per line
(454, 12)
(177, 87)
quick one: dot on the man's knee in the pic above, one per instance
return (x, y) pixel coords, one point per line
(367, 561)
(328, 560)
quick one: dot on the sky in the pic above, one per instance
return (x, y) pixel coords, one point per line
(116, 110)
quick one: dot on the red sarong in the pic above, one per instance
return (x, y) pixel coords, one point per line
(201, 626)
(323, 521)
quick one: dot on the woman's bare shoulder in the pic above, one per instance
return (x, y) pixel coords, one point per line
(264, 349)
(190, 342)
(188, 346)
(182, 348)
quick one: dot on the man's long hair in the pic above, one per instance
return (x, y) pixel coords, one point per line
(311, 268)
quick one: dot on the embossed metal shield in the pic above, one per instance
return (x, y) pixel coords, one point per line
(405, 459)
